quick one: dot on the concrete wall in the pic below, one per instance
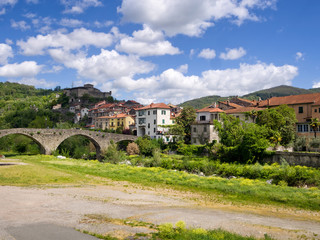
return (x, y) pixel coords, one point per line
(296, 158)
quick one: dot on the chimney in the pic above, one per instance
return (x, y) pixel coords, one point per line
(268, 101)
(215, 104)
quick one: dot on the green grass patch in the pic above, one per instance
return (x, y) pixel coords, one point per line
(241, 190)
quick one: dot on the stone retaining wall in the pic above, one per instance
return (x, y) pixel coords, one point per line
(296, 158)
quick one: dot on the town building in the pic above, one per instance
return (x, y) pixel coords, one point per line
(151, 120)
(306, 107)
(122, 121)
(203, 130)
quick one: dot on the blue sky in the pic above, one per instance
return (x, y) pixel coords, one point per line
(161, 50)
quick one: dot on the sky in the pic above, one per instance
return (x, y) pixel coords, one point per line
(161, 50)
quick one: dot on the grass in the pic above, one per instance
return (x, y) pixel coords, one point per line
(167, 231)
(43, 170)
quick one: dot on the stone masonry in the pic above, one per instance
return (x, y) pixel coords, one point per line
(50, 139)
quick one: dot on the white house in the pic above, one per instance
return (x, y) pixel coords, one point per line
(151, 119)
(203, 131)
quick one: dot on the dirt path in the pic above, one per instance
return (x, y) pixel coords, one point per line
(74, 207)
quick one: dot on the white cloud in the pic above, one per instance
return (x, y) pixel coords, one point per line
(67, 22)
(9, 41)
(4, 4)
(189, 17)
(299, 56)
(316, 85)
(39, 83)
(103, 24)
(79, 6)
(183, 68)
(233, 53)
(24, 69)
(70, 41)
(22, 25)
(5, 53)
(146, 42)
(108, 65)
(207, 53)
(173, 86)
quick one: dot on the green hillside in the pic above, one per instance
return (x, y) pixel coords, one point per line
(279, 91)
(199, 103)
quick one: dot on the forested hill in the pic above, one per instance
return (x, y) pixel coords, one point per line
(10, 90)
(279, 91)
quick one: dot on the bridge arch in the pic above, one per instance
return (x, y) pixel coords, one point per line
(39, 143)
(50, 139)
(90, 138)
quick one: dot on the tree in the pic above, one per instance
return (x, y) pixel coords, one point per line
(315, 125)
(240, 141)
(184, 122)
(281, 119)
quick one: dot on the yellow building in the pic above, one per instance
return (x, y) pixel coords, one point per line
(121, 120)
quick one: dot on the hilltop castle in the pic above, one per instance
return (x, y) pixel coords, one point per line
(86, 89)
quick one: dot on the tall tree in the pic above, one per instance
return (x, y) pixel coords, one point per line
(184, 121)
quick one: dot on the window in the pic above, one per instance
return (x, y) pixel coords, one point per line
(141, 113)
(148, 125)
(167, 139)
(194, 129)
(205, 129)
(163, 112)
(202, 118)
(303, 128)
(149, 133)
(300, 109)
(194, 140)
(148, 112)
(163, 121)
(118, 123)
(154, 130)
(315, 110)
(154, 121)
(154, 112)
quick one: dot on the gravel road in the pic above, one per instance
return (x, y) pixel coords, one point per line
(23, 209)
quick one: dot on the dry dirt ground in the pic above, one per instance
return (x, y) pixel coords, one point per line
(97, 208)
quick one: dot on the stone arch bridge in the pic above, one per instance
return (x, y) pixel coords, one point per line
(50, 139)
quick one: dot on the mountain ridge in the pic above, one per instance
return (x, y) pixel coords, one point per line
(278, 91)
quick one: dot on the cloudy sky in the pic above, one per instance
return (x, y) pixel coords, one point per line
(161, 50)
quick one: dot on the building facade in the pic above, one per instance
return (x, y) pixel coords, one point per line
(152, 119)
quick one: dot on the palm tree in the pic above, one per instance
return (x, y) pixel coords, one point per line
(315, 125)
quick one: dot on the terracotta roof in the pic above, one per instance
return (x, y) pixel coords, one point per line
(230, 104)
(242, 110)
(245, 100)
(210, 109)
(155, 105)
(290, 100)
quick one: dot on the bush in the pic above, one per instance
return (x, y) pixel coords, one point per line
(112, 154)
(191, 150)
(300, 144)
(147, 145)
(133, 149)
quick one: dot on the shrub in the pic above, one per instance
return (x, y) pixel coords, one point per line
(112, 154)
(300, 144)
(146, 145)
(133, 149)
